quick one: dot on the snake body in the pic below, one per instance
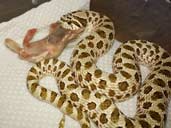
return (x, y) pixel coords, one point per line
(88, 93)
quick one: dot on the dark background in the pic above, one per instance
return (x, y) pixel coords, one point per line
(133, 19)
(137, 19)
(13, 8)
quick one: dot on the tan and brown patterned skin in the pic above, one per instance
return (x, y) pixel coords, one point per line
(88, 93)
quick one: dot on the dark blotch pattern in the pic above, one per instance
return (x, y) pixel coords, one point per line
(144, 124)
(147, 105)
(147, 89)
(90, 37)
(127, 47)
(137, 77)
(115, 115)
(84, 55)
(129, 124)
(157, 95)
(130, 66)
(125, 74)
(139, 45)
(151, 76)
(102, 84)
(118, 51)
(144, 50)
(88, 77)
(165, 55)
(161, 106)
(78, 65)
(123, 86)
(165, 72)
(108, 26)
(167, 64)
(103, 118)
(111, 36)
(101, 33)
(81, 20)
(125, 55)
(155, 116)
(99, 44)
(159, 82)
(118, 61)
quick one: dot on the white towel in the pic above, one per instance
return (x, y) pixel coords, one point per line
(18, 109)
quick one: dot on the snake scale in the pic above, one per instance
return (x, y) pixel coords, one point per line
(88, 93)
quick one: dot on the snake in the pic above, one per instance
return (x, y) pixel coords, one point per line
(88, 94)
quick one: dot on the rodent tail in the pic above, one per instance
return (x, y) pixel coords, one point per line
(12, 45)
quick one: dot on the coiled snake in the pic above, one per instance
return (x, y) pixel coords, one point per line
(88, 93)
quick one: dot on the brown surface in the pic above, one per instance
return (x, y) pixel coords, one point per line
(138, 19)
(13, 8)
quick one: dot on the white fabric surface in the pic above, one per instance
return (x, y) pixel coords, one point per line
(18, 109)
